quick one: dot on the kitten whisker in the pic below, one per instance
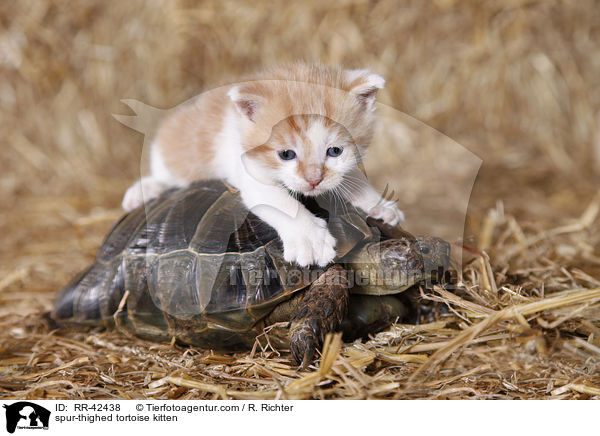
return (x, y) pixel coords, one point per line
(345, 193)
(337, 195)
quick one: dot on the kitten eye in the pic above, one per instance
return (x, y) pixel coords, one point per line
(287, 154)
(334, 151)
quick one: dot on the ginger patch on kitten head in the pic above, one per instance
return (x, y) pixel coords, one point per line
(344, 96)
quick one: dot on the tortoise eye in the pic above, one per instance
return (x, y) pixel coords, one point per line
(424, 249)
(334, 151)
(287, 154)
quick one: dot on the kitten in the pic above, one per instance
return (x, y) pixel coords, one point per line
(299, 128)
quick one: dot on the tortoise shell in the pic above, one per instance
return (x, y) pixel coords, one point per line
(196, 265)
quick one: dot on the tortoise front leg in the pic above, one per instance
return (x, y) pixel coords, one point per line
(320, 310)
(313, 313)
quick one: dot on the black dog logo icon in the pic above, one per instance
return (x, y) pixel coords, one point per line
(26, 415)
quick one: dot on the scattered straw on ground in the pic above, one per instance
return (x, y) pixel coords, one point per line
(516, 82)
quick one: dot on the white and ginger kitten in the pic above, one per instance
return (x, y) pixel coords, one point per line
(299, 128)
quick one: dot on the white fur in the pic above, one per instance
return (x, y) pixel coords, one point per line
(318, 135)
(234, 93)
(147, 188)
(228, 157)
(159, 170)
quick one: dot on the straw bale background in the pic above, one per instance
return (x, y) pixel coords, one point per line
(516, 82)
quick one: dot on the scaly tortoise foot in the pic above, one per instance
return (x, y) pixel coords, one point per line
(320, 311)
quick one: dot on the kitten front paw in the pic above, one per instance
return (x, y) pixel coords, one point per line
(142, 191)
(388, 212)
(309, 243)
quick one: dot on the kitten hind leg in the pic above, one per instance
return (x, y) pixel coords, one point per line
(142, 191)
(151, 186)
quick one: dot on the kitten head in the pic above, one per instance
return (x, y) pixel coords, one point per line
(308, 127)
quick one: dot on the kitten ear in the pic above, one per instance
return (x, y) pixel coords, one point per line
(365, 85)
(246, 104)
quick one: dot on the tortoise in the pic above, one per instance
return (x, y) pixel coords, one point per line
(195, 265)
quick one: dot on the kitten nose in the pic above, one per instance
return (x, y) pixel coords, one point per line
(314, 182)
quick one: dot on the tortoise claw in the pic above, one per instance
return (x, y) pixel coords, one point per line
(303, 345)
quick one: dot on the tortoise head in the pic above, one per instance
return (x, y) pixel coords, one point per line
(393, 265)
(435, 253)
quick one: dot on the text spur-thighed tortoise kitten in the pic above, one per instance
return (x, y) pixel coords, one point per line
(199, 267)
